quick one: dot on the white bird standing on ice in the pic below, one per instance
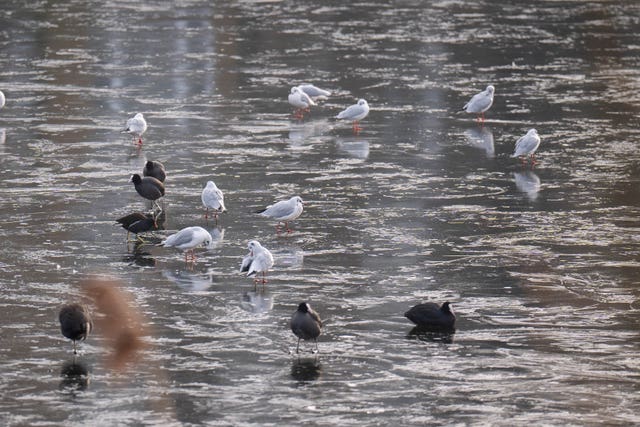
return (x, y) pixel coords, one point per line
(355, 113)
(480, 103)
(284, 211)
(258, 260)
(527, 146)
(136, 126)
(187, 240)
(315, 93)
(301, 101)
(212, 198)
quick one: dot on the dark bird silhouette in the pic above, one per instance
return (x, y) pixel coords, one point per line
(127, 220)
(138, 222)
(148, 187)
(431, 316)
(154, 169)
(75, 323)
(306, 324)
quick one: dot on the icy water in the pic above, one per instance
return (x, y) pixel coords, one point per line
(541, 265)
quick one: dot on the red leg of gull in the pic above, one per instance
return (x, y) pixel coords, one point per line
(356, 128)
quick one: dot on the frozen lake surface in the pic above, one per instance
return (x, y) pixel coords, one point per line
(541, 265)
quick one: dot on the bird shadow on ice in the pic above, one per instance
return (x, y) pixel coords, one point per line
(217, 234)
(357, 148)
(257, 301)
(527, 182)
(289, 257)
(306, 370)
(300, 132)
(188, 280)
(482, 139)
(139, 255)
(431, 335)
(75, 376)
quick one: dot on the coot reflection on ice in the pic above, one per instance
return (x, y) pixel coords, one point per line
(429, 335)
(75, 375)
(306, 370)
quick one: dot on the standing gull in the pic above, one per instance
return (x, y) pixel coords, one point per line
(315, 93)
(355, 113)
(136, 126)
(212, 198)
(187, 240)
(301, 101)
(527, 146)
(306, 324)
(284, 211)
(75, 323)
(2, 99)
(480, 103)
(258, 260)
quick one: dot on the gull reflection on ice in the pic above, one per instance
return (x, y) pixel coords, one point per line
(356, 148)
(217, 234)
(528, 183)
(259, 301)
(481, 138)
(289, 256)
(300, 132)
(188, 281)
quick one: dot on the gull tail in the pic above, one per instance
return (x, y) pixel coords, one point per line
(260, 211)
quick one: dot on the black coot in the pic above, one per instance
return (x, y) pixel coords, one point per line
(75, 322)
(306, 324)
(148, 187)
(154, 169)
(138, 222)
(431, 316)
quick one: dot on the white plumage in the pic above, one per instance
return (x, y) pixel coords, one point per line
(299, 99)
(2, 99)
(315, 93)
(480, 102)
(284, 211)
(258, 260)
(188, 239)
(527, 145)
(212, 198)
(355, 112)
(136, 126)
